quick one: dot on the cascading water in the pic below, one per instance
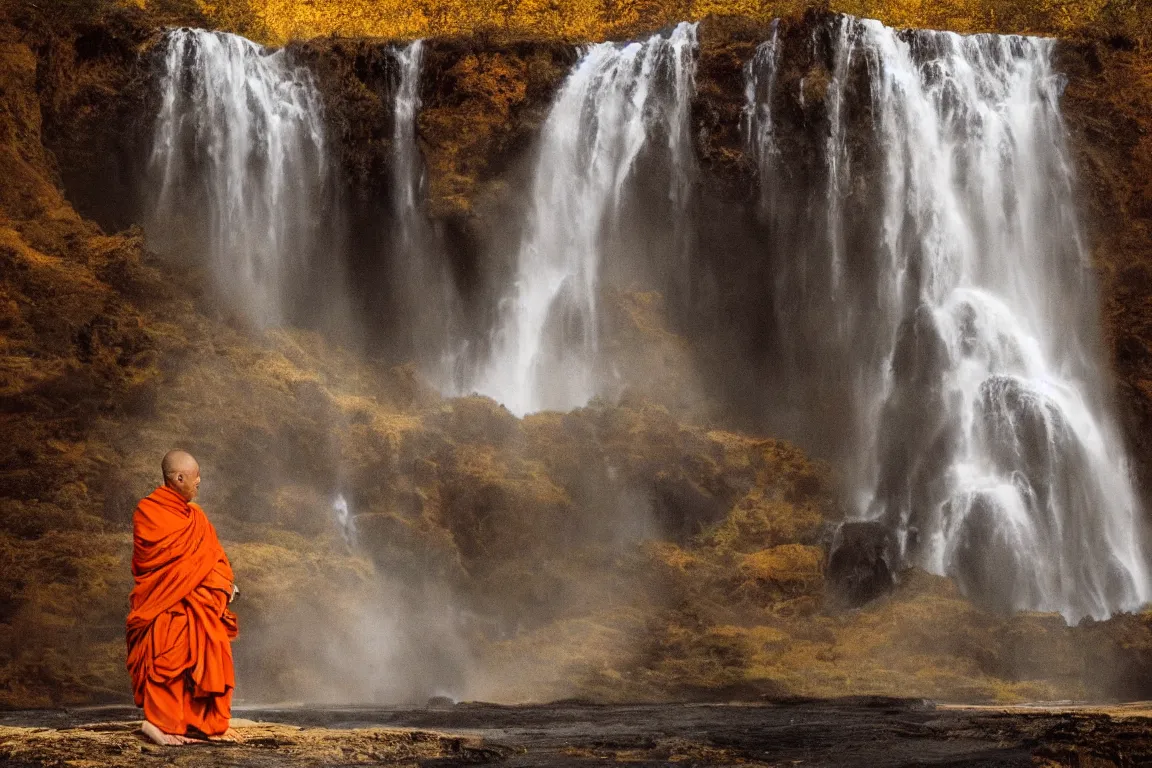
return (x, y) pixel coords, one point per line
(423, 292)
(344, 519)
(238, 168)
(966, 327)
(545, 349)
(760, 74)
(406, 170)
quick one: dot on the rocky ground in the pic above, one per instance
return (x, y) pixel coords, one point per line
(264, 744)
(879, 732)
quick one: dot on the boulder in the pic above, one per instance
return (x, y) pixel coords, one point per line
(862, 563)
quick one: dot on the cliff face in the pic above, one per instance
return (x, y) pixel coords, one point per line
(75, 349)
(646, 549)
(1108, 105)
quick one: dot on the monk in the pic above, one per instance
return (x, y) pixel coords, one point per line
(179, 626)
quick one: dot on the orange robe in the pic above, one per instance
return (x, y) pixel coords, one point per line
(179, 625)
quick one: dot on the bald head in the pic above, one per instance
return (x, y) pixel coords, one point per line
(177, 461)
(181, 473)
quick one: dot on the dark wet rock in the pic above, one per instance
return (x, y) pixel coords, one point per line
(683, 507)
(862, 563)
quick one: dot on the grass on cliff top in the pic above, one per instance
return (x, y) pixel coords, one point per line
(276, 21)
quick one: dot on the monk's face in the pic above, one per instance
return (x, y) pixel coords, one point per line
(186, 481)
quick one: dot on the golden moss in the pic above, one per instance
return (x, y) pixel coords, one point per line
(281, 20)
(786, 570)
(486, 87)
(756, 522)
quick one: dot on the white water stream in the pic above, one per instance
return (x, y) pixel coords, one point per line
(406, 171)
(238, 167)
(546, 348)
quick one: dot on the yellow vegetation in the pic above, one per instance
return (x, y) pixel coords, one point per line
(281, 20)
(788, 569)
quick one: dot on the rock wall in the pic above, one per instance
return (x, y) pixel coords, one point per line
(1108, 106)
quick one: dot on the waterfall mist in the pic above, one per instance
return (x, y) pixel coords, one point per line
(950, 311)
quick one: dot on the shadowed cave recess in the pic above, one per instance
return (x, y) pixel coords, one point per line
(732, 360)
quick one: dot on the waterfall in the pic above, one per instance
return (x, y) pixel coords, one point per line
(759, 88)
(545, 351)
(967, 323)
(238, 168)
(423, 292)
(839, 160)
(406, 171)
(344, 520)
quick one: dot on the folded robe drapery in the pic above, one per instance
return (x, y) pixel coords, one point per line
(179, 625)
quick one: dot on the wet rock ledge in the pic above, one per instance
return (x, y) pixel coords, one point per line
(874, 731)
(115, 744)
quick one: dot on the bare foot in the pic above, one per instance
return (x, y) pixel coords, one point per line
(231, 735)
(164, 739)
